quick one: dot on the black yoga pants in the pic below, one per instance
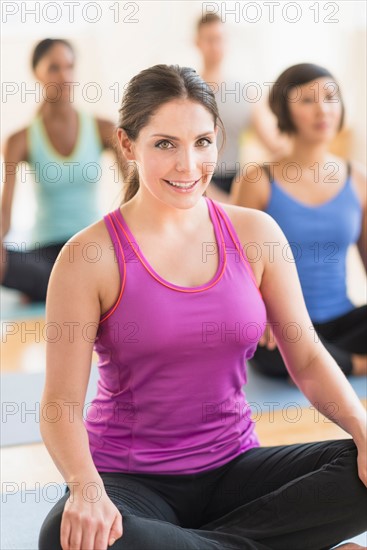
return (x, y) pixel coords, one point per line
(29, 270)
(289, 497)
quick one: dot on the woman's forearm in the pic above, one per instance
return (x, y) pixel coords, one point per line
(327, 388)
(67, 442)
(5, 224)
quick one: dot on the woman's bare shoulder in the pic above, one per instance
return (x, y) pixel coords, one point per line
(87, 259)
(250, 223)
(258, 234)
(15, 146)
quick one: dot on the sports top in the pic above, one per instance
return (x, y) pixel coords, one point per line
(65, 186)
(172, 361)
(319, 237)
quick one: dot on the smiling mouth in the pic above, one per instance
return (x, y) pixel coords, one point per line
(182, 184)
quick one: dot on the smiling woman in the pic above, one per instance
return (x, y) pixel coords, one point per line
(168, 93)
(161, 464)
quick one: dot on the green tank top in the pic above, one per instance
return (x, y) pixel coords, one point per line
(66, 187)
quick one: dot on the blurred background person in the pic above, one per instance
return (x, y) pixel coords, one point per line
(237, 113)
(319, 201)
(63, 146)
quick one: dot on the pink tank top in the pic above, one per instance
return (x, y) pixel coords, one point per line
(172, 362)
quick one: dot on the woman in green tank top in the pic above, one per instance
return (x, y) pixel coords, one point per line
(63, 148)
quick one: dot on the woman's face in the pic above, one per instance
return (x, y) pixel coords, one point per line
(176, 153)
(55, 70)
(315, 109)
(211, 42)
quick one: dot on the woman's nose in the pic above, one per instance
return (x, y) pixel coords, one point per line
(186, 161)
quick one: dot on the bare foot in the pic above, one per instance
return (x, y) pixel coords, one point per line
(359, 363)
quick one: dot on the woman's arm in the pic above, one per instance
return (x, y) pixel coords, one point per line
(309, 364)
(359, 176)
(106, 131)
(264, 124)
(15, 151)
(72, 315)
(252, 190)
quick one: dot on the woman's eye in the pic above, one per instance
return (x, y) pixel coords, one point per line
(204, 142)
(164, 144)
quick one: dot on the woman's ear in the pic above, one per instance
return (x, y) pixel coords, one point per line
(126, 144)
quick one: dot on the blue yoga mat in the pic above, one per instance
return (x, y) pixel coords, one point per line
(13, 309)
(21, 395)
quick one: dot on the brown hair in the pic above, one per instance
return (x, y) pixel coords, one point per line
(147, 92)
(44, 46)
(207, 19)
(294, 76)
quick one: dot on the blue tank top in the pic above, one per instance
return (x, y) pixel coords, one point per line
(172, 361)
(319, 237)
(65, 186)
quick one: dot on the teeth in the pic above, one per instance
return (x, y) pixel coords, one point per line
(182, 185)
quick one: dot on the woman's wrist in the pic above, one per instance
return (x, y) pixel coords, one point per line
(84, 480)
(359, 430)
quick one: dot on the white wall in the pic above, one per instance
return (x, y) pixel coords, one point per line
(109, 53)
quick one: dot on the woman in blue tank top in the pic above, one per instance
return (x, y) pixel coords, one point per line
(63, 148)
(319, 201)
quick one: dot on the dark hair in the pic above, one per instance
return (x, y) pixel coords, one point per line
(207, 19)
(147, 92)
(294, 76)
(44, 46)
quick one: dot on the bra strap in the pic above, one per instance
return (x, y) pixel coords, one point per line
(267, 172)
(349, 169)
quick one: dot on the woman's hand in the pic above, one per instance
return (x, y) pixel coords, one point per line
(89, 522)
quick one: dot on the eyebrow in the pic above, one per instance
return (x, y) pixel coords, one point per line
(177, 139)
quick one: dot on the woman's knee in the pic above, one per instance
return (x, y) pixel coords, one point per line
(149, 533)
(49, 536)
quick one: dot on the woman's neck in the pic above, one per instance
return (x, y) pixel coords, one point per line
(161, 217)
(306, 153)
(59, 109)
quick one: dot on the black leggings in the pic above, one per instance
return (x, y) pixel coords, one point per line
(289, 497)
(342, 337)
(29, 270)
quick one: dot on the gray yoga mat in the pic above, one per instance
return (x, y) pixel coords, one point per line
(22, 516)
(20, 412)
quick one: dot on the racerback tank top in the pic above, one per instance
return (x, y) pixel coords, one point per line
(172, 361)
